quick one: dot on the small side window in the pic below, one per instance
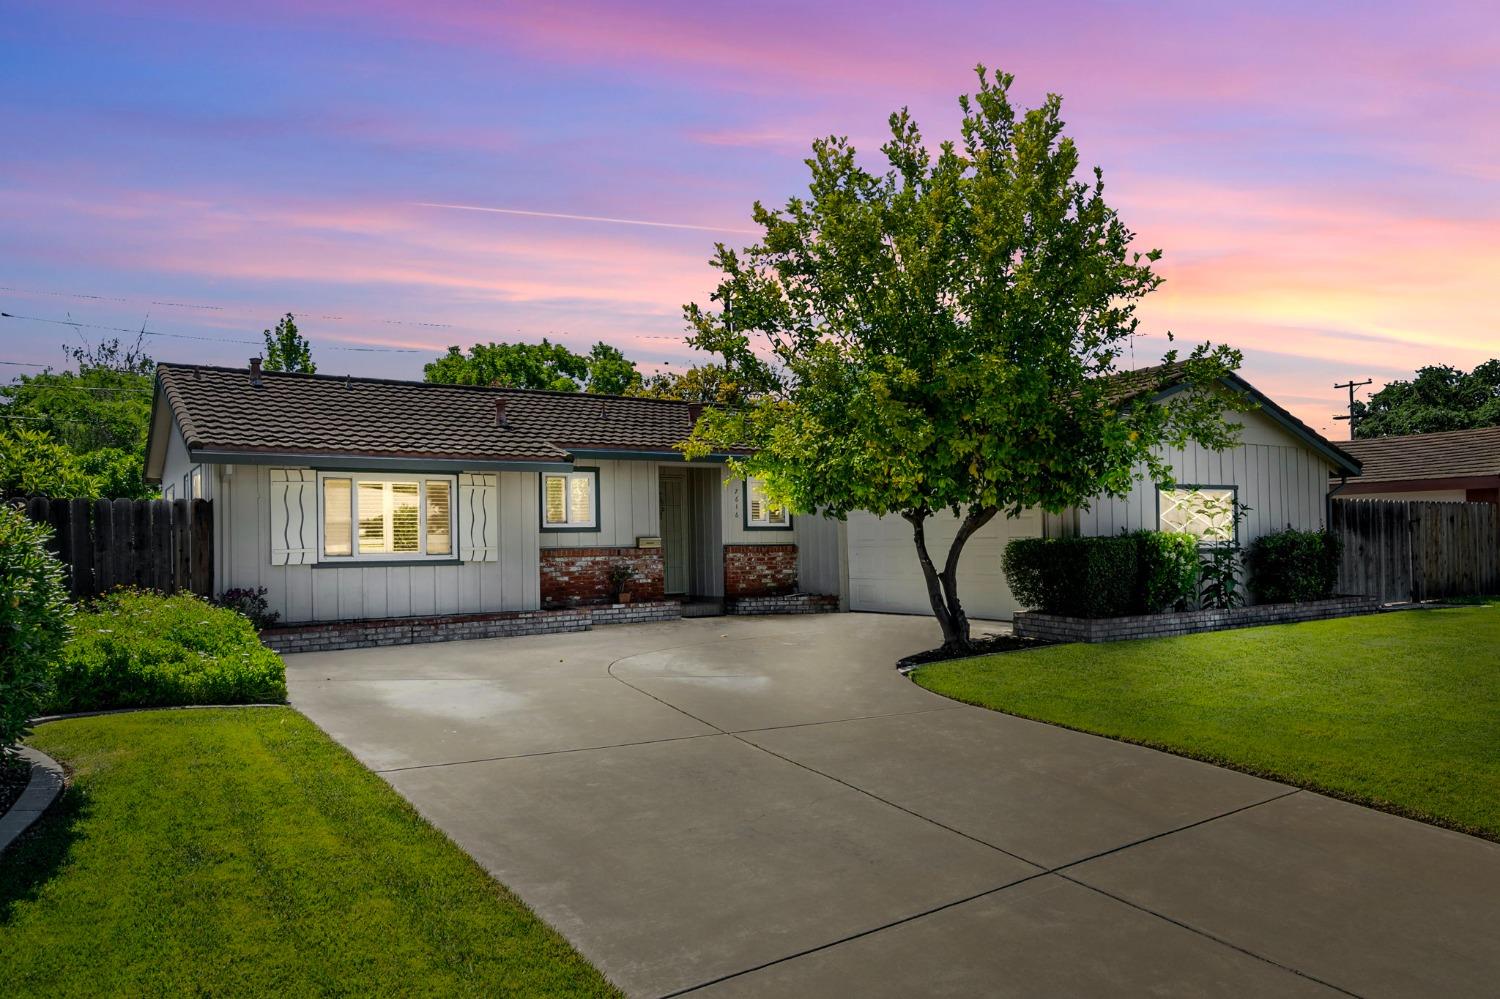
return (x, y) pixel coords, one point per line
(759, 512)
(570, 500)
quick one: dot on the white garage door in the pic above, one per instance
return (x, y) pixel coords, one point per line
(884, 574)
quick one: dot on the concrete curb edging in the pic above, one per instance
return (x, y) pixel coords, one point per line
(41, 791)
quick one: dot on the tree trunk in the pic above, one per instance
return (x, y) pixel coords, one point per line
(942, 586)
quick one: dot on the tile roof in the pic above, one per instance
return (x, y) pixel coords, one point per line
(1449, 454)
(219, 409)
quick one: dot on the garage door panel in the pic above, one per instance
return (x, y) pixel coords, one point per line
(885, 575)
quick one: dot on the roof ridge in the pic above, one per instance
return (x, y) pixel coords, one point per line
(1392, 438)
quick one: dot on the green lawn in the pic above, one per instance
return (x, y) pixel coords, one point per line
(1400, 711)
(241, 852)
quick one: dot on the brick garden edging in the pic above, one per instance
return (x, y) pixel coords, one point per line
(759, 570)
(575, 577)
(786, 603)
(41, 791)
(1057, 628)
(330, 636)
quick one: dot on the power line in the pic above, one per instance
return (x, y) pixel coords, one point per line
(322, 345)
(26, 364)
(209, 308)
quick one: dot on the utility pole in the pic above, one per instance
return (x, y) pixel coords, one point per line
(1351, 385)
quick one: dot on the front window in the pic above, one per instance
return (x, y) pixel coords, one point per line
(1204, 511)
(570, 500)
(387, 517)
(758, 509)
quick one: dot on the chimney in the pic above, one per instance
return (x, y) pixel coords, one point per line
(603, 414)
(255, 372)
(500, 418)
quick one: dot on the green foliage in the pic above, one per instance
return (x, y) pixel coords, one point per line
(709, 383)
(286, 349)
(938, 336)
(1166, 570)
(1439, 397)
(139, 649)
(1220, 567)
(79, 433)
(1076, 577)
(1292, 566)
(544, 365)
(251, 603)
(34, 619)
(1143, 572)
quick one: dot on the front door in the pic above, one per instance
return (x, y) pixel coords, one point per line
(674, 529)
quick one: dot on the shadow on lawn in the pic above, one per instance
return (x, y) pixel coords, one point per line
(31, 861)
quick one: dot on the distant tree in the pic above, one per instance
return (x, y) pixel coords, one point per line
(287, 350)
(610, 372)
(1439, 397)
(32, 463)
(939, 336)
(544, 365)
(98, 415)
(710, 383)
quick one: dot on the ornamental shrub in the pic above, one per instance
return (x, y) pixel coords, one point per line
(251, 603)
(1291, 566)
(1144, 572)
(140, 649)
(34, 617)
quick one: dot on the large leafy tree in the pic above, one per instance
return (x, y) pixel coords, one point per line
(84, 430)
(710, 383)
(1438, 397)
(940, 336)
(287, 349)
(544, 365)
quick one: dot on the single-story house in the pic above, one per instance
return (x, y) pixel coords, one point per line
(362, 498)
(1458, 466)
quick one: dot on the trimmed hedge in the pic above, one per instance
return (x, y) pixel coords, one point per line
(1144, 572)
(138, 649)
(34, 614)
(1293, 566)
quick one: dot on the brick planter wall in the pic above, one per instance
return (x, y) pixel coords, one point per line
(574, 577)
(1056, 628)
(759, 570)
(331, 636)
(787, 603)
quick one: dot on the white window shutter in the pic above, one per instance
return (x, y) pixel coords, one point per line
(294, 516)
(478, 517)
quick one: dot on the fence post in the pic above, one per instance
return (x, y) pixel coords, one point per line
(203, 548)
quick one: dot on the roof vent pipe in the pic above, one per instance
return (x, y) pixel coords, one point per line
(255, 372)
(500, 418)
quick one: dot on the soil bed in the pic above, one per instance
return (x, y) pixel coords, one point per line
(985, 646)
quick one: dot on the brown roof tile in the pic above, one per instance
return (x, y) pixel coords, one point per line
(1445, 455)
(219, 409)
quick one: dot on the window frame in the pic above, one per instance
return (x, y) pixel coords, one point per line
(388, 558)
(194, 483)
(1234, 499)
(570, 527)
(750, 525)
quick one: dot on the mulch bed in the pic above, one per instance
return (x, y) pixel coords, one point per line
(988, 645)
(15, 774)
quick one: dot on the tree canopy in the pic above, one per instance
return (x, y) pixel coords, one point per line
(710, 383)
(1438, 397)
(286, 349)
(79, 433)
(940, 335)
(546, 365)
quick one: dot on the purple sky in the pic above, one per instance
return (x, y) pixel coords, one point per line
(1324, 179)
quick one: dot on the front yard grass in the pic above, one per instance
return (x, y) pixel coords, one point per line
(1400, 711)
(225, 852)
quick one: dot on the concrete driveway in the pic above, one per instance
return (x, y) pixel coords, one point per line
(739, 806)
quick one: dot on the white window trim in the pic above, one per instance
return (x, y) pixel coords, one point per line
(187, 483)
(592, 524)
(169, 491)
(421, 478)
(764, 522)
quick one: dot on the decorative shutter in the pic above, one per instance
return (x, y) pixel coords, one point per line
(294, 516)
(477, 526)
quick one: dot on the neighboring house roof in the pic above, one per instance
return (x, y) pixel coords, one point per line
(1162, 380)
(1449, 454)
(220, 410)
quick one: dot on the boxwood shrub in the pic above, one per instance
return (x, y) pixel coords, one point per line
(1291, 566)
(140, 649)
(1145, 572)
(34, 615)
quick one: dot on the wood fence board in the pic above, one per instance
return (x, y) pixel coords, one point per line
(1417, 550)
(202, 576)
(152, 544)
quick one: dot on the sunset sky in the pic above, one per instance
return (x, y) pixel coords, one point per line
(1324, 179)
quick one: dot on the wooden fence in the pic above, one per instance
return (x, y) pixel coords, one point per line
(164, 545)
(1401, 550)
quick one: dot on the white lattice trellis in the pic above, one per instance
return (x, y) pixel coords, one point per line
(1208, 513)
